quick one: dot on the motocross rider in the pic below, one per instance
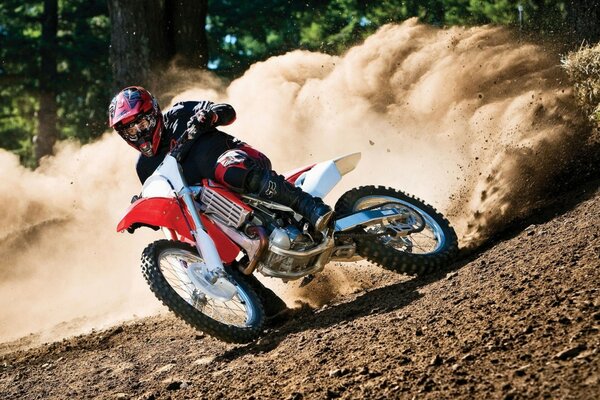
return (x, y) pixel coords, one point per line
(136, 116)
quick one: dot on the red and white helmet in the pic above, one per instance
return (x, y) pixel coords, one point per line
(135, 115)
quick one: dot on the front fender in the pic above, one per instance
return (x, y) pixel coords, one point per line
(157, 211)
(166, 212)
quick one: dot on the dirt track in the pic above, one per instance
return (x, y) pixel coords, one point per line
(520, 319)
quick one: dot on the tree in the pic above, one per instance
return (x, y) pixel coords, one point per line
(47, 131)
(80, 77)
(150, 35)
(186, 32)
(84, 68)
(19, 40)
(147, 36)
(584, 20)
(138, 40)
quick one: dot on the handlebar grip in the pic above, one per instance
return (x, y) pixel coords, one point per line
(188, 135)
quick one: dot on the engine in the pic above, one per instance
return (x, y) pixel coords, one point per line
(291, 254)
(290, 238)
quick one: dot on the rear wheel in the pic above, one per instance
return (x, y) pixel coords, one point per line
(167, 266)
(420, 241)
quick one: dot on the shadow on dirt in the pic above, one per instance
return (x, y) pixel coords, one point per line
(377, 301)
(397, 296)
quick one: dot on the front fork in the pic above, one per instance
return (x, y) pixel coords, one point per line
(204, 243)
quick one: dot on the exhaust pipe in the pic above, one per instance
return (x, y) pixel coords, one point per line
(262, 247)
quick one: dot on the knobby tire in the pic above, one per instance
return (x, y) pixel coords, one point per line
(392, 259)
(194, 317)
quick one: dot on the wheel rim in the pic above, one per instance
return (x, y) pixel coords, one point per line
(427, 239)
(239, 311)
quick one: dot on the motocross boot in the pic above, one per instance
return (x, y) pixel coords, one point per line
(271, 186)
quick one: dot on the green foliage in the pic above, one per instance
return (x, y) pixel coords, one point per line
(83, 71)
(541, 15)
(277, 26)
(18, 41)
(240, 34)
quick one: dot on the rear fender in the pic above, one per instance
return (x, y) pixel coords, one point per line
(322, 177)
(167, 213)
(292, 176)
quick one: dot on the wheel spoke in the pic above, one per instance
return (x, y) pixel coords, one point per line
(226, 306)
(420, 248)
(219, 308)
(224, 312)
(425, 241)
(173, 266)
(187, 284)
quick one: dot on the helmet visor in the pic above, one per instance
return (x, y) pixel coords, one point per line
(140, 127)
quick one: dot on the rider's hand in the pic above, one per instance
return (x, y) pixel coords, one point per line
(202, 121)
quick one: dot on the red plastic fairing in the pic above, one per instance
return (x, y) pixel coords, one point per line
(227, 249)
(166, 212)
(157, 211)
(291, 176)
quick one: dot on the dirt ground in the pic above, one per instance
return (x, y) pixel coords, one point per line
(517, 319)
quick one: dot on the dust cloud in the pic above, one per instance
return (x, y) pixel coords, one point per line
(469, 119)
(61, 256)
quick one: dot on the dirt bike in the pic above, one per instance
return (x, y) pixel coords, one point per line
(217, 239)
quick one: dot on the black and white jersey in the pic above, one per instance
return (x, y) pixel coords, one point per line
(200, 161)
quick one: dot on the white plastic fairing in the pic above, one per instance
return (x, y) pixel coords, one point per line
(166, 180)
(347, 163)
(320, 179)
(157, 186)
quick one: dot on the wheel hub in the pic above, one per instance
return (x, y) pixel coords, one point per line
(209, 282)
(403, 231)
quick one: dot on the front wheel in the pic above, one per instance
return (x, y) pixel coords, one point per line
(420, 241)
(167, 266)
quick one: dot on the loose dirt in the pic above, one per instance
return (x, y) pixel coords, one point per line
(518, 319)
(480, 124)
(518, 316)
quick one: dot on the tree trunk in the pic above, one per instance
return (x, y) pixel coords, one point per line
(47, 130)
(186, 20)
(147, 35)
(583, 19)
(138, 41)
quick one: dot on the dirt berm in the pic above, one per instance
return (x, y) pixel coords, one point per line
(518, 319)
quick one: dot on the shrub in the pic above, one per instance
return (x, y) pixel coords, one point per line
(583, 67)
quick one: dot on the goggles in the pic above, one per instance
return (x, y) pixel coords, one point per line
(140, 126)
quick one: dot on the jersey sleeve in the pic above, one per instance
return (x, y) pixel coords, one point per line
(176, 118)
(185, 110)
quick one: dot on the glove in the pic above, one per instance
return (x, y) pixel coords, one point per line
(202, 121)
(137, 225)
